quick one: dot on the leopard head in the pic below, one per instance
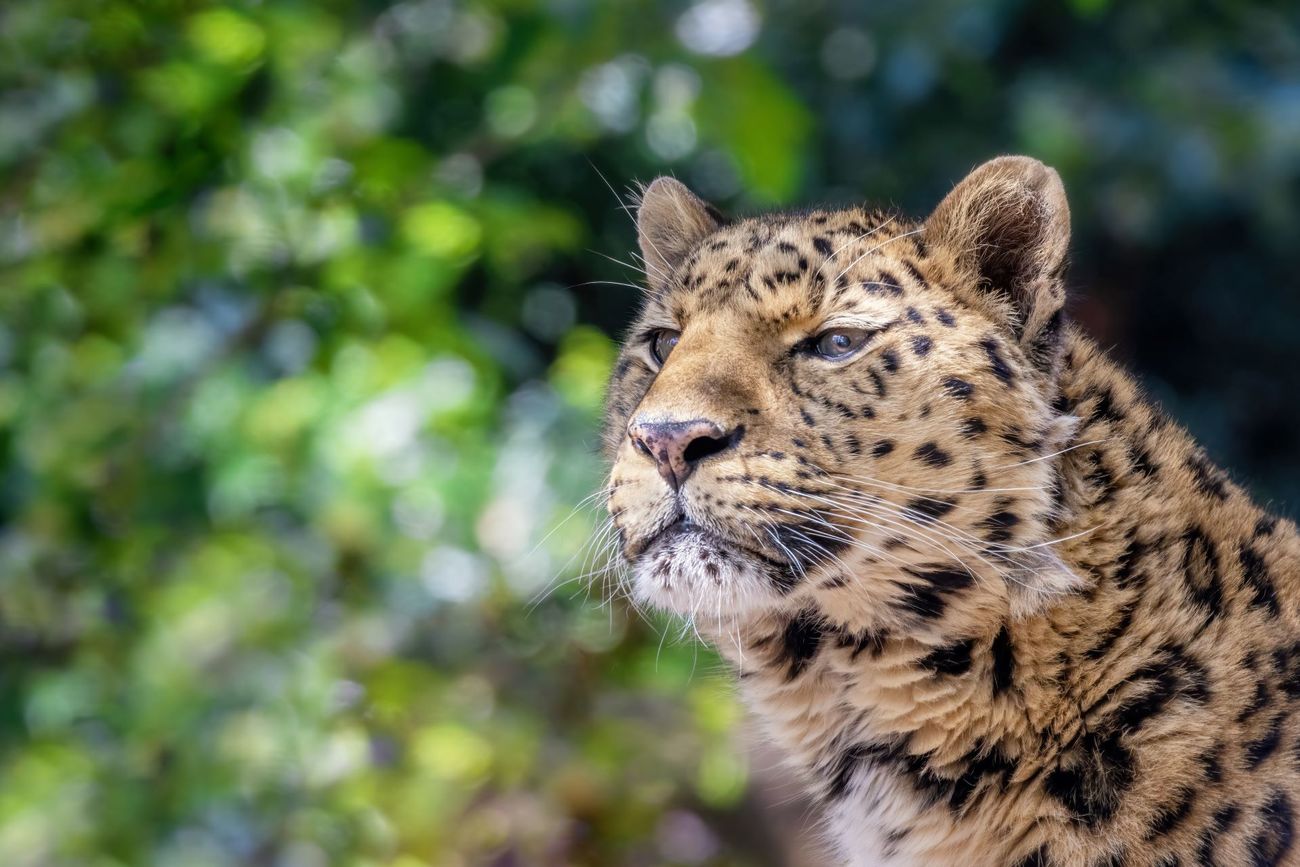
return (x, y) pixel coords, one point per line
(844, 409)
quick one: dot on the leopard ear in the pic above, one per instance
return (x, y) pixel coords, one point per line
(670, 222)
(1008, 225)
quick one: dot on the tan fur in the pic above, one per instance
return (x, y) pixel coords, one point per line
(992, 604)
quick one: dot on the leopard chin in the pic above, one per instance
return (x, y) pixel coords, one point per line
(695, 573)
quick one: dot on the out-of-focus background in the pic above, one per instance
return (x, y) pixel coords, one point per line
(305, 314)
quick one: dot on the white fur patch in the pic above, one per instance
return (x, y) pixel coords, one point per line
(706, 579)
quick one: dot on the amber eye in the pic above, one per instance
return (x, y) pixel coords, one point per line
(662, 343)
(841, 342)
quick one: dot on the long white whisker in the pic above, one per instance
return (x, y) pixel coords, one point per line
(1069, 448)
(849, 243)
(894, 486)
(873, 250)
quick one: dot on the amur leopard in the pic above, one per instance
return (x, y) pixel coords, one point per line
(993, 605)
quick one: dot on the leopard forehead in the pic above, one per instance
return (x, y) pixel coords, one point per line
(782, 267)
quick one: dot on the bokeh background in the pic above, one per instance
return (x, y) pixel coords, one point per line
(305, 314)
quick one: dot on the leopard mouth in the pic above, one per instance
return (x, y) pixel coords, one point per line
(683, 527)
(679, 530)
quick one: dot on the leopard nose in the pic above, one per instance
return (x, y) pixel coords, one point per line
(677, 447)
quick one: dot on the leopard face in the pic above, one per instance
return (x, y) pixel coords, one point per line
(844, 410)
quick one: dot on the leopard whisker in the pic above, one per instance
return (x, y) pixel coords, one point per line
(1004, 553)
(930, 538)
(579, 506)
(1068, 448)
(875, 249)
(925, 531)
(999, 549)
(917, 522)
(848, 538)
(593, 541)
(818, 273)
(867, 480)
(626, 208)
(921, 517)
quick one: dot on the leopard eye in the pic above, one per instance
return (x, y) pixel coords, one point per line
(662, 343)
(840, 343)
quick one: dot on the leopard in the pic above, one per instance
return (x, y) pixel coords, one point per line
(988, 601)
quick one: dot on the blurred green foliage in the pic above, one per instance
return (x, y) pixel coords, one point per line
(304, 321)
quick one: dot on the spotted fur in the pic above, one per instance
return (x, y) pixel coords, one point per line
(992, 604)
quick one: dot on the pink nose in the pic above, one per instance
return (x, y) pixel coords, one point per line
(677, 447)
